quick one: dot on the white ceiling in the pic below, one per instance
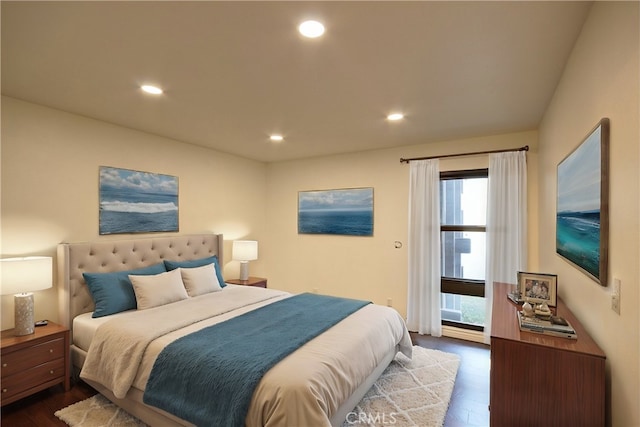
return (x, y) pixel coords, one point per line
(234, 72)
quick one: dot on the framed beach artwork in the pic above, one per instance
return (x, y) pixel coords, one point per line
(137, 202)
(582, 213)
(346, 212)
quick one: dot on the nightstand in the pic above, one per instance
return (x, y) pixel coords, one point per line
(259, 282)
(34, 362)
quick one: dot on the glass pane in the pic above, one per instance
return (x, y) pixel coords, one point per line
(463, 201)
(463, 254)
(463, 308)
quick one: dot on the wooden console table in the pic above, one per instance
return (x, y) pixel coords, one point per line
(541, 380)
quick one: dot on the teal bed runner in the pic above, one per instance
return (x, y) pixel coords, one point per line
(208, 377)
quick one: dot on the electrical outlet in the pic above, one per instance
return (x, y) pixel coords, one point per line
(389, 302)
(615, 296)
(615, 303)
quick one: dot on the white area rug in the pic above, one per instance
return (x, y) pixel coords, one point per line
(97, 411)
(409, 393)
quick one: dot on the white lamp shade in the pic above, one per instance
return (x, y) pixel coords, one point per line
(25, 274)
(245, 250)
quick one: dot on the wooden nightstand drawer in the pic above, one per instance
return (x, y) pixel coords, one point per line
(34, 362)
(20, 360)
(53, 371)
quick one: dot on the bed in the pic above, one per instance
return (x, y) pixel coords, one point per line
(334, 370)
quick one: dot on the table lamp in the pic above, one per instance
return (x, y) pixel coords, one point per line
(21, 276)
(245, 251)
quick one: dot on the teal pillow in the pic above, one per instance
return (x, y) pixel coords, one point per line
(172, 265)
(113, 292)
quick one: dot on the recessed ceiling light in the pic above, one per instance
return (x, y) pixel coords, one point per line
(276, 138)
(151, 89)
(395, 117)
(311, 29)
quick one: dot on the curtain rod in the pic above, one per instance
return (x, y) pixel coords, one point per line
(525, 148)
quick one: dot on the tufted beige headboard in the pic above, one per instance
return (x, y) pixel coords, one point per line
(117, 255)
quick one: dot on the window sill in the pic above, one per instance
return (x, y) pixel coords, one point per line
(463, 334)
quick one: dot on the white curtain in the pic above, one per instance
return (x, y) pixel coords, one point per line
(506, 224)
(423, 303)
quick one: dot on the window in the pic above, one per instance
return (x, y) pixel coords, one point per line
(463, 208)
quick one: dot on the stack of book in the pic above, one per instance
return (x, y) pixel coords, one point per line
(556, 326)
(515, 297)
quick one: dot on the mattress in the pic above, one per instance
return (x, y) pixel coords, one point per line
(85, 326)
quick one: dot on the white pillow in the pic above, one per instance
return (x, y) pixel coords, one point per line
(159, 289)
(200, 280)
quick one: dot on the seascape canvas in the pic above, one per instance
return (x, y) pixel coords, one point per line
(137, 202)
(581, 221)
(342, 212)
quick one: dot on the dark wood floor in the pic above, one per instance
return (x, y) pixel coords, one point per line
(37, 410)
(468, 407)
(469, 404)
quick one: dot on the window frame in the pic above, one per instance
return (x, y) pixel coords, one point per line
(459, 286)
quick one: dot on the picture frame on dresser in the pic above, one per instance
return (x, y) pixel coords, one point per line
(538, 288)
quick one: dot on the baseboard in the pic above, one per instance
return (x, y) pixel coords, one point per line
(463, 334)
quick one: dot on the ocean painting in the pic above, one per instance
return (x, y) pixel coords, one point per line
(580, 223)
(343, 212)
(137, 202)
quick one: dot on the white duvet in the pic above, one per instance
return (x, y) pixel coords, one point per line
(305, 388)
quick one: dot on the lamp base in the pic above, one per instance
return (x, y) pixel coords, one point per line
(23, 310)
(244, 270)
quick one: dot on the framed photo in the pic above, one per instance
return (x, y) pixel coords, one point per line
(344, 212)
(137, 202)
(538, 287)
(582, 211)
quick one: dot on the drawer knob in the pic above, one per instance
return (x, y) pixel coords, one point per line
(4, 365)
(51, 372)
(50, 350)
(4, 390)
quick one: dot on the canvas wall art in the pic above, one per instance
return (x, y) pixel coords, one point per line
(137, 202)
(582, 214)
(342, 212)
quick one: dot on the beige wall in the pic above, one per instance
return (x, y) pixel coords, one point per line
(601, 80)
(50, 162)
(364, 267)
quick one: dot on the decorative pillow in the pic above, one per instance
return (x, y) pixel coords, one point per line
(159, 289)
(172, 265)
(113, 292)
(200, 280)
